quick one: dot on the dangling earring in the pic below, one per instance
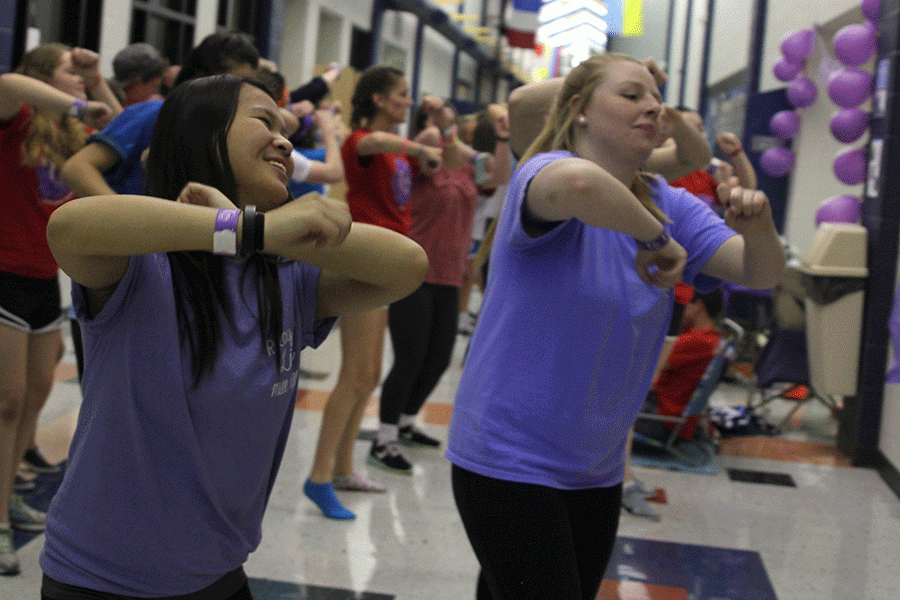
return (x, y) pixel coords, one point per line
(581, 120)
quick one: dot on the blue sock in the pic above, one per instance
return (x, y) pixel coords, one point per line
(322, 494)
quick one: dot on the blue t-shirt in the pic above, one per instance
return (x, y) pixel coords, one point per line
(298, 188)
(167, 483)
(129, 135)
(568, 336)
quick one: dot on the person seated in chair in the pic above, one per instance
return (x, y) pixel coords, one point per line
(687, 362)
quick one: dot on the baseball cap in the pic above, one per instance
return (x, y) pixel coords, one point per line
(137, 61)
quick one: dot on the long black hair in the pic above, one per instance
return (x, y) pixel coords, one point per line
(189, 143)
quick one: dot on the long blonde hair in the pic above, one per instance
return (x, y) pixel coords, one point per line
(49, 138)
(559, 130)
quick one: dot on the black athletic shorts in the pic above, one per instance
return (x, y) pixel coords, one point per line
(30, 304)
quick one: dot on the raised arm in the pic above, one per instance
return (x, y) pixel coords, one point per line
(88, 64)
(84, 170)
(579, 189)
(363, 266)
(743, 168)
(92, 240)
(379, 142)
(331, 170)
(755, 258)
(17, 89)
(502, 158)
(684, 153)
(528, 107)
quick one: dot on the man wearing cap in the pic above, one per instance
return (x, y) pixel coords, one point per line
(138, 70)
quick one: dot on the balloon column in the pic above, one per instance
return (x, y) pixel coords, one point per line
(796, 46)
(848, 88)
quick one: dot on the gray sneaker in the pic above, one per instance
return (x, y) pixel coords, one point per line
(9, 562)
(22, 516)
(634, 502)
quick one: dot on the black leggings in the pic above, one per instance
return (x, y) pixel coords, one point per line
(537, 542)
(423, 330)
(53, 590)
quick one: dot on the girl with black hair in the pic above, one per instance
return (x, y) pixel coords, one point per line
(195, 302)
(111, 161)
(379, 166)
(423, 325)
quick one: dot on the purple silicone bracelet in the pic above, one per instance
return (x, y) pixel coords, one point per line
(77, 109)
(225, 235)
(656, 244)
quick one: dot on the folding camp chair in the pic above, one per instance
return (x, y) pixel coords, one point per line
(780, 369)
(697, 407)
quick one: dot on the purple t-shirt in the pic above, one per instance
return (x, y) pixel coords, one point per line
(567, 340)
(166, 484)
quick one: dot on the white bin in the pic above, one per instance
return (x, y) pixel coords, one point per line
(834, 272)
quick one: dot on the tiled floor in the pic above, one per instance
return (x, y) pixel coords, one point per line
(831, 536)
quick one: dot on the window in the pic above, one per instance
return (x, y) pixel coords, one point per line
(167, 25)
(242, 15)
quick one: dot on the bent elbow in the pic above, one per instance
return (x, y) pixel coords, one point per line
(69, 173)
(417, 265)
(61, 229)
(412, 267)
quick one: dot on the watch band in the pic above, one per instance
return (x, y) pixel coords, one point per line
(656, 244)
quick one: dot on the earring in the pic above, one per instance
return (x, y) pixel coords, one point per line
(581, 120)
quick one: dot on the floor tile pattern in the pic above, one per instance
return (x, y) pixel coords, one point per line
(833, 536)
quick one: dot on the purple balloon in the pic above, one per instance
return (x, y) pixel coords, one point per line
(785, 124)
(850, 87)
(798, 44)
(850, 166)
(776, 161)
(785, 70)
(849, 124)
(839, 209)
(855, 44)
(872, 10)
(802, 92)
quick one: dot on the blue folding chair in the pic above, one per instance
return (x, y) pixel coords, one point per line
(697, 407)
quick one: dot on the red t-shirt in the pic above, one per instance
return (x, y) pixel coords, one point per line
(683, 293)
(442, 207)
(30, 195)
(690, 356)
(701, 184)
(378, 186)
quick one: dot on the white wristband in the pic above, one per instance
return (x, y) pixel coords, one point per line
(225, 235)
